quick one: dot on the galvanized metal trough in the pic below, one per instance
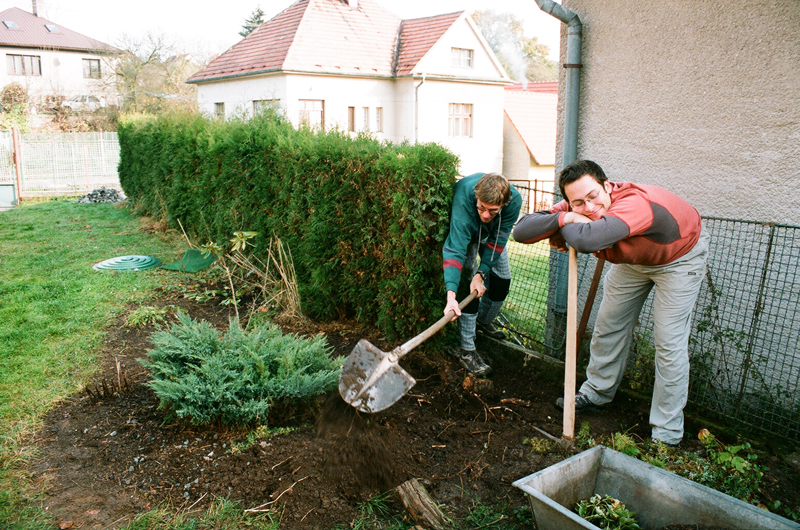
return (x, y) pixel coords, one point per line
(659, 498)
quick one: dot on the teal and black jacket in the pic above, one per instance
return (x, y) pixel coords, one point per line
(466, 227)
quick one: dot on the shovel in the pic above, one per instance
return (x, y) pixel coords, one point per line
(371, 380)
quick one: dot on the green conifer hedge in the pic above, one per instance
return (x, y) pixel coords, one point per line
(365, 220)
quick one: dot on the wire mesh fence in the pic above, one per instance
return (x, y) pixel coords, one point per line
(745, 343)
(61, 163)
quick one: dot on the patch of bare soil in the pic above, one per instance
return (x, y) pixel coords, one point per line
(107, 457)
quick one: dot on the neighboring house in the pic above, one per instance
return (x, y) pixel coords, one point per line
(52, 62)
(529, 135)
(349, 64)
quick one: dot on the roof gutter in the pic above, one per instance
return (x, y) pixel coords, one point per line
(573, 86)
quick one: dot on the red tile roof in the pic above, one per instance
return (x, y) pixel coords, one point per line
(327, 36)
(546, 87)
(418, 35)
(534, 116)
(32, 33)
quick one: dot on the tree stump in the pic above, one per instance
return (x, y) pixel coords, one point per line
(420, 505)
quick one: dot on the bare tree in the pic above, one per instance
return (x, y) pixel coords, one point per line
(524, 58)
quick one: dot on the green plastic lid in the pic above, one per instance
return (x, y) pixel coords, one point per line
(128, 263)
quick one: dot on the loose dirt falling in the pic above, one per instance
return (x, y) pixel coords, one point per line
(352, 443)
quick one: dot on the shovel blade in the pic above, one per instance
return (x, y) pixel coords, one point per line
(362, 362)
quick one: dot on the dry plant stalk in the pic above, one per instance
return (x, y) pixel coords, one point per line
(275, 281)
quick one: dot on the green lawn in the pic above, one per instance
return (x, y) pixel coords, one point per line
(54, 309)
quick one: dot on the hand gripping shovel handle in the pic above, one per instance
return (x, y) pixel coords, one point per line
(393, 356)
(428, 333)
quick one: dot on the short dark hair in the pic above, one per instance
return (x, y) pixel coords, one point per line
(493, 188)
(578, 169)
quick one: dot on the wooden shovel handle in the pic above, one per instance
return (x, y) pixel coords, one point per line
(425, 335)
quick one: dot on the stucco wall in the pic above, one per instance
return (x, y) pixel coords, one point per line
(482, 152)
(62, 74)
(702, 98)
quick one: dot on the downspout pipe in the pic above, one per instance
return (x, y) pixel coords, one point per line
(416, 109)
(573, 65)
(557, 293)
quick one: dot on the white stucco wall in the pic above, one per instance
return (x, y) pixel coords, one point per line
(702, 98)
(338, 94)
(460, 35)
(62, 74)
(482, 152)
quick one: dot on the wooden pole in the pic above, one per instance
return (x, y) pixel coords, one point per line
(17, 141)
(570, 362)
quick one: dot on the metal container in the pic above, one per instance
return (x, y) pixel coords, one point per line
(8, 195)
(657, 497)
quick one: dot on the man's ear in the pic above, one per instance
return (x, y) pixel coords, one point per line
(607, 186)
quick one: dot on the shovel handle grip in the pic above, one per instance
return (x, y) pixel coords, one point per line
(425, 335)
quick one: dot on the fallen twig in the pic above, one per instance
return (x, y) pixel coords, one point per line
(490, 524)
(515, 401)
(279, 463)
(259, 508)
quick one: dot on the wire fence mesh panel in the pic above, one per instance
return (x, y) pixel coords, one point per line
(745, 343)
(63, 163)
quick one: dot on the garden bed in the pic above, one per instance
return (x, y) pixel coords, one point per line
(108, 457)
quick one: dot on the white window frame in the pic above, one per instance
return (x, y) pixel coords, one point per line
(378, 119)
(461, 57)
(91, 68)
(459, 120)
(311, 113)
(28, 65)
(219, 109)
(351, 119)
(365, 125)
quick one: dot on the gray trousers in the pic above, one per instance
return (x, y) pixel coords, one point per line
(626, 287)
(487, 310)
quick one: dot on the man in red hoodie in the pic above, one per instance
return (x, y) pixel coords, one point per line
(653, 238)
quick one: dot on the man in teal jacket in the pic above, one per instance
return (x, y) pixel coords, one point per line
(485, 208)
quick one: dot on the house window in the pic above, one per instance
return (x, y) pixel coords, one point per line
(219, 109)
(366, 118)
(351, 119)
(312, 113)
(459, 121)
(91, 68)
(379, 119)
(24, 64)
(461, 57)
(260, 105)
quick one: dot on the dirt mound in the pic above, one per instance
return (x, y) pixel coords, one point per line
(103, 461)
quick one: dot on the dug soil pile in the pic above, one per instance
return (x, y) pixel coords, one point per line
(111, 455)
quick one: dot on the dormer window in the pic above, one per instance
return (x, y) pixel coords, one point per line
(461, 57)
(10, 24)
(52, 28)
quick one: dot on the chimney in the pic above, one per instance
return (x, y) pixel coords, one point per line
(35, 11)
(353, 4)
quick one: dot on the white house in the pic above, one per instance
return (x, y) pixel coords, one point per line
(529, 136)
(51, 61)
(352, 65)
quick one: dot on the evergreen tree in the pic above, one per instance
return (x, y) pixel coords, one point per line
(252, 23)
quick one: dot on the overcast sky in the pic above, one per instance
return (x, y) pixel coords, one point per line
(204, 27)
